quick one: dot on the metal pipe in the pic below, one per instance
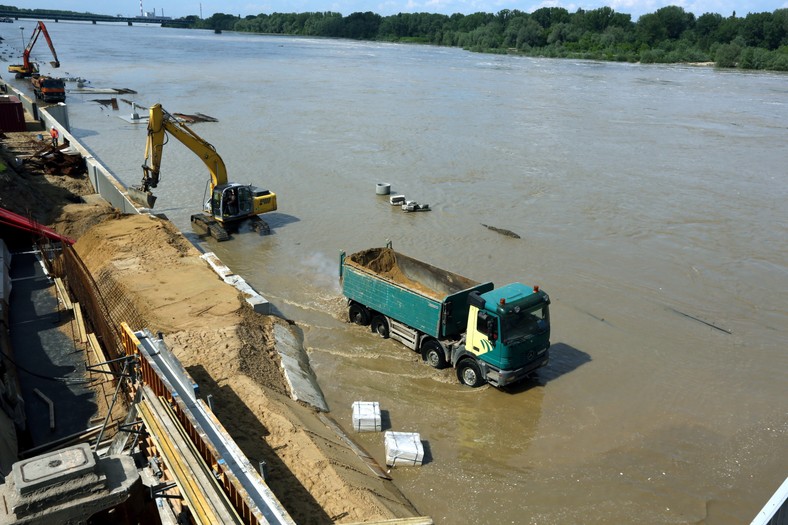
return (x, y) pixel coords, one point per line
(58, 442)
(111, 406)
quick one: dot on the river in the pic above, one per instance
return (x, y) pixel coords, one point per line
(651, 206)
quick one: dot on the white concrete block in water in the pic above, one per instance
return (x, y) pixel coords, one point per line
(366, 416)
(403, 448)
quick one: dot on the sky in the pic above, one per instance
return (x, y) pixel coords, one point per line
(205, 8)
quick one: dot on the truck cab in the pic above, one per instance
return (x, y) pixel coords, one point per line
(49, 89)
(507, 336)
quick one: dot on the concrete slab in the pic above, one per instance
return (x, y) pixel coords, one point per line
(218, 266)
(53, 468)
(72, 490)
(258, 303)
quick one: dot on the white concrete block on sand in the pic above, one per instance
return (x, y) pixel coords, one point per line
(258, 303)
(217, 265)
(366, 416)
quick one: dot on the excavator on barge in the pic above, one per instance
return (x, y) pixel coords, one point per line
(229, 204)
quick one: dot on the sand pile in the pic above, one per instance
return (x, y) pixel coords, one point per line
(383, 262)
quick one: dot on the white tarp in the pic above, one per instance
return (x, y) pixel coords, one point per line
(403, 448)
(366, 416)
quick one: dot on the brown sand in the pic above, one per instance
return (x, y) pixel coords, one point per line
(224, 345)
(383, 262)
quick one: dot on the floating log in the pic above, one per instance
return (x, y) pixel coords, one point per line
(502, 231)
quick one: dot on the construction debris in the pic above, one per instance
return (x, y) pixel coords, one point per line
(197, 117)
(415, 206)
(399, 200)
(57, 161)
(108, 102)
(106, 91)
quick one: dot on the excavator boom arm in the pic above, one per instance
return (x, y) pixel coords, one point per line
(161, 123)
(38, 30)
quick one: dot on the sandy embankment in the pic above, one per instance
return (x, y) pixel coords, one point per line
(223, 344)
(229, 350)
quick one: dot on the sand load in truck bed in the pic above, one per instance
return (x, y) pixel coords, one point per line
(411, 273)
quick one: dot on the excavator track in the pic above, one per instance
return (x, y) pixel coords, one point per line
(259, 225)
(206, 225)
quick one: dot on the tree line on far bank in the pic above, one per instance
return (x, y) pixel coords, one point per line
(669, 35)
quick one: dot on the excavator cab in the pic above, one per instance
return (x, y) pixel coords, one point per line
(231, 202)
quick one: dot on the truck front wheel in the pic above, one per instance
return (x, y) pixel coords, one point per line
(469, 373)
(433, 354)
(380, 326)
(358, 314)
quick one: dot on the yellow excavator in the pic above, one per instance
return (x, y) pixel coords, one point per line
(229, 204)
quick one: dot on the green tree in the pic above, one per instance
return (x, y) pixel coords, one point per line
(727, 55)
(706, 27)
(531, 35)
(547, 16)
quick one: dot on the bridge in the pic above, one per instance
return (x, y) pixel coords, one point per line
(94, 18)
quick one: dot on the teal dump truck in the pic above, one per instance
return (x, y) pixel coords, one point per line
(489, 335)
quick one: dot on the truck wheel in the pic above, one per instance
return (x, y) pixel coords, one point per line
(469, 373)
(433, 354)
(358, 314)
(380, 326)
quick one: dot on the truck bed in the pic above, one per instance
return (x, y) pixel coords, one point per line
(410, 291)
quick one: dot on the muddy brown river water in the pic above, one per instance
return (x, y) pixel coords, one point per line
(649, 201)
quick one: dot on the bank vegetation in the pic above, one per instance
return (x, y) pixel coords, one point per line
(669, 35)
(757, 41)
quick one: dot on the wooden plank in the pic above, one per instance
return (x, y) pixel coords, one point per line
(51, 406)
(82, 332)
(63, 294)
(98, 356)
(418, 520)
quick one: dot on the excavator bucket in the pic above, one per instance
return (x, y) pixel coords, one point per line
(143, 198)
(55, 64)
